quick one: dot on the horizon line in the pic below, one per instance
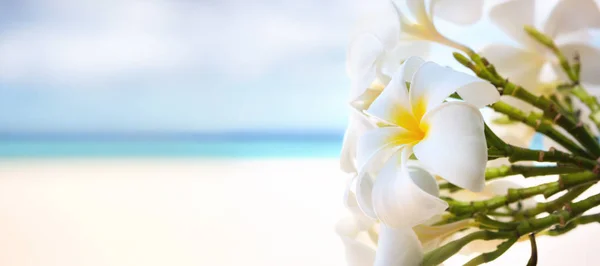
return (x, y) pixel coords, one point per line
(170, 136)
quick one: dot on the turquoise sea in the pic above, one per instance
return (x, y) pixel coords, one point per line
(314, 147)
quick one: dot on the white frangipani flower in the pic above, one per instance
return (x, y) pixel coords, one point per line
(382, 41)
(375, 53)
(406, 246)
(392, 246)
(566, 24)
(358, 123)
(447, 138)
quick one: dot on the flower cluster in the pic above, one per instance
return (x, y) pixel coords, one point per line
(417, 145)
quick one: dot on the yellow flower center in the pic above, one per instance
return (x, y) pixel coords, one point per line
(412, 122)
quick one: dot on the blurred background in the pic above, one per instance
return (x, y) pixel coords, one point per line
(178, 132)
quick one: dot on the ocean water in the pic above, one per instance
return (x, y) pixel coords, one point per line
(221, 146)
(311, 148)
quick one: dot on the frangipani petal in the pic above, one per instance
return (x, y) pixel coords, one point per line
(459, 11)
(432, 84)
(429, 233)
(455, 146)
(362, 221)
(570, 16)
(364, 101)
(372, 153)
(411, 65)
(403, 197)
(518, 65)
(363, 53)
(391, 104)
(357, 252)
(418, 9)
(373, 144)
(382, 21)
(402, 56)
(398, 247)
(358, 123)
(512, 15)
(364, 194)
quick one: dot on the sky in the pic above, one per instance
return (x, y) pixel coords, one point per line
(122, 66)
(181, 66)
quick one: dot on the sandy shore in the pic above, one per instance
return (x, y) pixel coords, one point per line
(192, 212)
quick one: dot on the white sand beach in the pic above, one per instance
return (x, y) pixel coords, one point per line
(192, 212)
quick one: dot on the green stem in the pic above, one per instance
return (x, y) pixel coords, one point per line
(548, 42)
(590, 101)
(486, 221)
(490, 256)
(554, 113)
(572, 180)
(516, 154)
(560, 217)
(444, 252)
(586, 219)
(527, 171)
(565, 182)
(557, 203)
(534, 257)
(551, 110)
(464, 208)
(492, 139)
(492, 173)
(532, 225)
(539, 124)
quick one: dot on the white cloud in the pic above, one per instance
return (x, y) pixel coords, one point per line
(63, 41)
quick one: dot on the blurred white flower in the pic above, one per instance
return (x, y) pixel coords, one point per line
(394, 247)
(447, 138)
(421, 27)
(376, 49)
(387, 36)
(567, 25)
(458, 11)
